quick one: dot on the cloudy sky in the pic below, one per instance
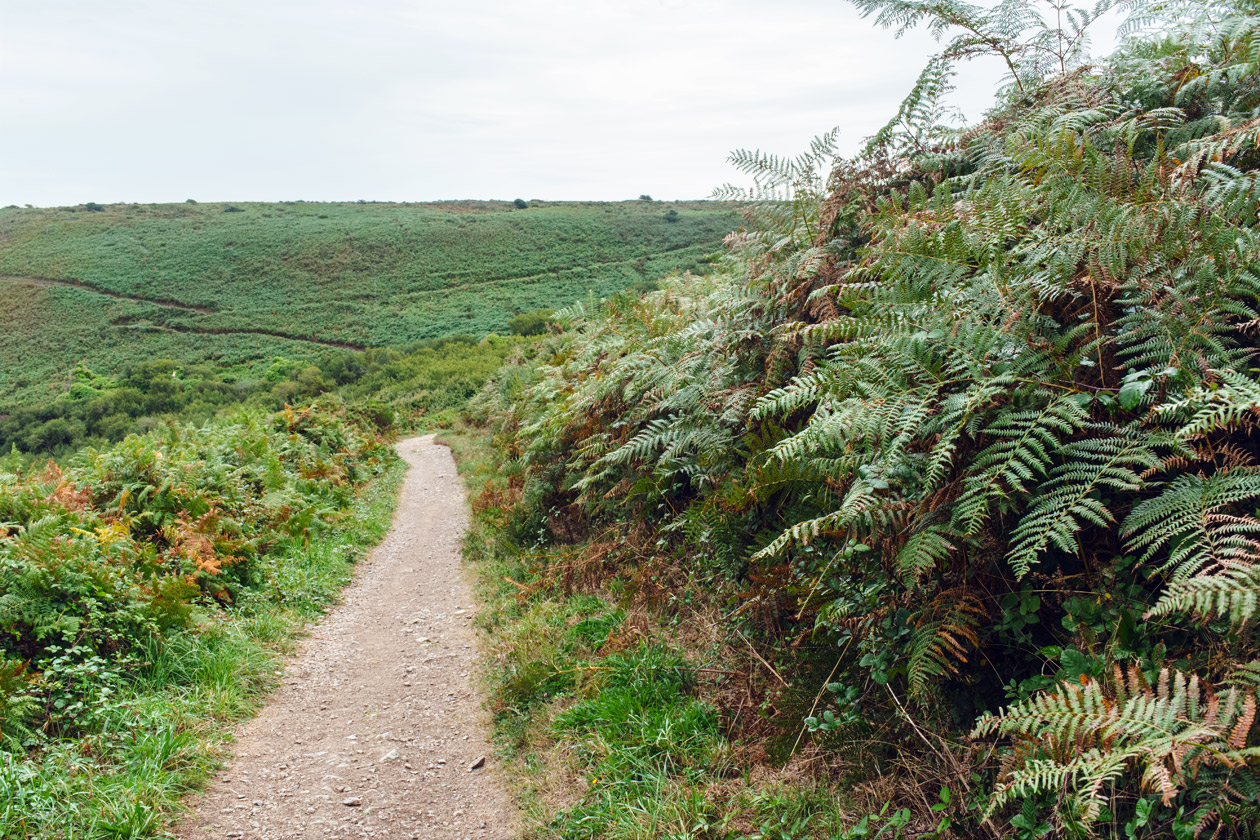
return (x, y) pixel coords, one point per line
(418, 100)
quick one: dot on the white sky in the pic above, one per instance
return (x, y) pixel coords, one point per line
(418, 100)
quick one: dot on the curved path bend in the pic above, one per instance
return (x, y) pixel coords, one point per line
(377, 730)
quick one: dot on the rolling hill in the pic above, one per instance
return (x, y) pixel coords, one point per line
(237, 285)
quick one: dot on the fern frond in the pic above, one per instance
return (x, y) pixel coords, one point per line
(859, 500)
(1234, 405)
(1198, 519)
(1232, 594)
(1080, 738)
(1027, 442)
(924, 551)
(1070, 497)
(945, 632)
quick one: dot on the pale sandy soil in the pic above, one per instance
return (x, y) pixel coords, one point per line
(378, 730)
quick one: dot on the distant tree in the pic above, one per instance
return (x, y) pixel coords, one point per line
(93, 206)
(190, 201)
(645, 197)
(342, 367)
(232, 208)
(672, 215)
(285, 393)
(311, 381)
(114, 427)
(54, 433)
(521, 203)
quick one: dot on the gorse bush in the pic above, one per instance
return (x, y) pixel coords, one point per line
(975, 417)
(531, 323)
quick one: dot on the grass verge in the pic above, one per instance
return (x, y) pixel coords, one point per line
(161, 734)
(606, 712)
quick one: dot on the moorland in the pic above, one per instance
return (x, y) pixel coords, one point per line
(122, 312)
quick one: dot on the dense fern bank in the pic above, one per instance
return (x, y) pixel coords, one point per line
(606, 706)
(963, 438)
(145, 590)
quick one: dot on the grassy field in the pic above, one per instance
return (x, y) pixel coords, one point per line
(200, 283)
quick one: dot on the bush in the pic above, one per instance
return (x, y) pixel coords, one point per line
(123, 577)
(531, 323)
(521, 203)
(642, 287)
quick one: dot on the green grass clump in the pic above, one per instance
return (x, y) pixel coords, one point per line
(648, 745)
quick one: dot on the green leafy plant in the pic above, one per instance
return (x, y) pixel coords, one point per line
(976, 408)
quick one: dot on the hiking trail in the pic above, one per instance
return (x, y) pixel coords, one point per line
(377, 730)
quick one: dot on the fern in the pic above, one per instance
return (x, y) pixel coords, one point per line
(1026, 443)
(925, 551)
(1200, 520)
(1236, 404)
(1070, 497)
(1081, 739)
(1232, 594)
(945, 632)
(18, 704)
(976, 395)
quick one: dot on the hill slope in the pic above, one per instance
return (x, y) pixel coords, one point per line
(202, 283)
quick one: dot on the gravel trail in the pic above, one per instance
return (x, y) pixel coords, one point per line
(377, 730)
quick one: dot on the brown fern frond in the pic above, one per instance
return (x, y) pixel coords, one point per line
(1242, 728)
(946, 631)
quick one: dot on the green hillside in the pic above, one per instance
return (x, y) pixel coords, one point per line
(109, 286)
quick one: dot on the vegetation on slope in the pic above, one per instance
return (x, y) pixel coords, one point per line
(424, 382)
(145, 592)
(110, 286)
(964, 438)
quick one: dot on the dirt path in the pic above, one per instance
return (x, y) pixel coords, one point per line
(377, 731)
(80, 284)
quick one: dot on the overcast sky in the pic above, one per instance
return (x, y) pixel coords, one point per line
(419, 100)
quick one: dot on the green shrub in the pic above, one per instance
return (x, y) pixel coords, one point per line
(531, 323)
